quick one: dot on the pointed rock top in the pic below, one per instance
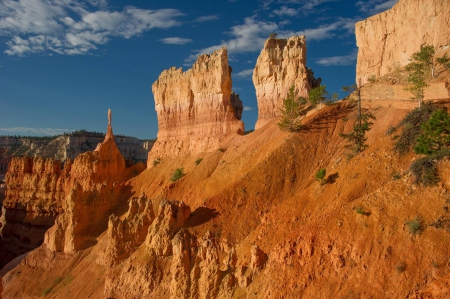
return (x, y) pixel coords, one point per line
(109, 132)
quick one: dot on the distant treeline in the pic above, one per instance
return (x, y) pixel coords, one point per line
(76, 132)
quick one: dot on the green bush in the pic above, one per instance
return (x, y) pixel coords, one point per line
(412, 128)
(156, 161)
(198, 161)
(178, 174)
(221, 149)
(425, 169)
(320, 176)
(415, 226)
(435, 134)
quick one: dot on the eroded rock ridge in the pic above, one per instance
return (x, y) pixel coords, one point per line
(196, 108)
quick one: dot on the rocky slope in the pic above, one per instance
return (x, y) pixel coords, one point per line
(196, 109)
(254, 223)
(281, 64)
(387, 40)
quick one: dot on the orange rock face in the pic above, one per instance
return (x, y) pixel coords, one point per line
(281, 64)
(196, 108)
(387, 40)
(93, 190)
(33, 198)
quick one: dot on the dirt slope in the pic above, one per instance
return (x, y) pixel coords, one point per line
(345, 239)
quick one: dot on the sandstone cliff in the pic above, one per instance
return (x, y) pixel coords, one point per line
(33, 200)
(281, 64)
(196, 109)
(387, 40)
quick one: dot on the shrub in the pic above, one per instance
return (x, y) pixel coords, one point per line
(221, 149)
(411, 128)
(361, 211)
(178, 174)
(320, 176)
(415, 226)
(156, 161)
(198, 161)
(391, 130)
(425, 169)
(435, 133)
(400, 267)
(372, 79)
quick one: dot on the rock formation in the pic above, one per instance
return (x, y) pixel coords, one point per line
(281, 64)
(33, 200)
(196, 108)
(387, 40)
(92, 192)
(177, 262)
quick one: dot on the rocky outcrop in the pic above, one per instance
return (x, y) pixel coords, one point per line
(93, 191)
(33, 199)
(281, 64)
(196, 108)
(177, 264)
(387, 40)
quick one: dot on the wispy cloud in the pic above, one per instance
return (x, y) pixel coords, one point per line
(73, 26)
(247, 108)
(207, 18)
(349, 59)
(35, 131)
(285, 11)
(176, 40)
(250, 36)
(245, 74)
(375, 6)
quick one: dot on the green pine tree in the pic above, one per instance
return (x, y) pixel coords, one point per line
(357, 137)
(291, 112)
(435, 134)
(317, 95)
(444, 61)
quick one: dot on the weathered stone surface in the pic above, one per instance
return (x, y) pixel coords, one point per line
(196, 109)
(33, 198)
(93, 190)
(387, 40)
(281, 64)
(124, 236)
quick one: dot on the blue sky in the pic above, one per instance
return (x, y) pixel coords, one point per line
(63, 63)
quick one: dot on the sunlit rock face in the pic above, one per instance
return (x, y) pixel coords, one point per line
(281, 64)
(196, 109)
(387, 40)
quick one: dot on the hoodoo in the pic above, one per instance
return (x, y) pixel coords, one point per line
(282, 62)
(196, 109)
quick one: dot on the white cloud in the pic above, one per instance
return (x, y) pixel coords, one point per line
(73, 26)
(349, 59)
(375, 6)
(306, 6)
(36, 131)
(248, 37)
(245, 74)
(207, 18)
(247, 108)
(176, 40)
(285, 11)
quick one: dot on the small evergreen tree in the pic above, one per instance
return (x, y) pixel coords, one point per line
(435, 134)
(291, 112)
(317, 95)
(357, 137)
(320, 176)
(444, 61)
(417, 68)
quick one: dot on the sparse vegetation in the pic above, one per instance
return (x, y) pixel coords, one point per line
(178, 174)
(415, 226)
(156, 161)
(357, 137)
(221, 149)
(198, 161)
(248, 132)
(435, 134)
(391, 130)
(291, 111)
(320, 176)
(361, 211)
(273, 35)
(444, 61)
(372, 79)
(411, 128)
(424, 169)
(400, 267)
(317, 95)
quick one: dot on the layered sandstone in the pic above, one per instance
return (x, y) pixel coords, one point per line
(196, 109)
(281, 64)
(177, 264)
(93, 191)
(35, 188)
(387, 40)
